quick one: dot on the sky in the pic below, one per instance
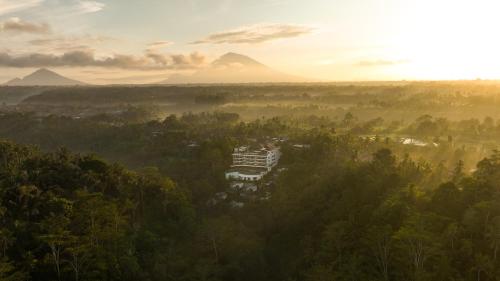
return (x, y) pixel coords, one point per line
(145, 41)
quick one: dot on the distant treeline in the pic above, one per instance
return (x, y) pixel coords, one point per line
(327, 93)
(399, 101)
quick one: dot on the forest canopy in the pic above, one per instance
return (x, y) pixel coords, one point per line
(74, 217)
(103, 190)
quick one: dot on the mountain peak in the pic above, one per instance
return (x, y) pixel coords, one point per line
(234, 68)
(233, 55)
(44, 77)
(44, 71)
(234, 58)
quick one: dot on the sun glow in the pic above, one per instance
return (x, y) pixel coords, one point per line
(449, 40)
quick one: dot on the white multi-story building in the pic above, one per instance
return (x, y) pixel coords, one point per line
(253, 165)
(261, 158)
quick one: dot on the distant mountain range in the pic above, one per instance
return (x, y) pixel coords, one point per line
(234, 68)
(229, 68)
(43, 77)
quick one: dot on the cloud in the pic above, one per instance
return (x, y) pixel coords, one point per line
(16, 25)
(197, 58)
(156, 46)
(158, 58)
(255, 34)
(180, 61)
(159, 44)
(151, 61)
(10, 6)
(70, 43)
(86, 7)
(375, 63)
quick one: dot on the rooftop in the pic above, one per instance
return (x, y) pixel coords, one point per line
(264, 149)
(248, 170)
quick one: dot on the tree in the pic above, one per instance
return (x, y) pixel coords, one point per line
(458, 173)
(56, 237)
(348, 120)
(6, 240)
(493, 236)
(8, 272)
(482, 266)
(419, 244)
(78, 255)
(381, 242)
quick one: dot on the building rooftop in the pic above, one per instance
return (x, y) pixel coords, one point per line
(248, 170)
(263, 149)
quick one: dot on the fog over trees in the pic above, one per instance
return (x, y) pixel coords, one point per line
(376, 181)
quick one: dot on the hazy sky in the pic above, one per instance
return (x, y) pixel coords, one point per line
(118, 41)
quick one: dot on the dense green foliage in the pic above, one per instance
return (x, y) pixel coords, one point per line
(362, 191)
(72, 217)
(331, 217)
(184, 145)
(380, 221)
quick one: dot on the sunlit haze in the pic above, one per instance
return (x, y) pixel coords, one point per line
(249, 140)
(117, 41)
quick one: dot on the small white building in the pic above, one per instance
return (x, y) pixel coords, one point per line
(302, 146)
(415, 142)
(236, 185)
(246, 174)
(236, 204)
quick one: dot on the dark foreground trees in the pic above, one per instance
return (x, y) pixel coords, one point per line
(331, 217)
(377, 221)
(73, 217)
